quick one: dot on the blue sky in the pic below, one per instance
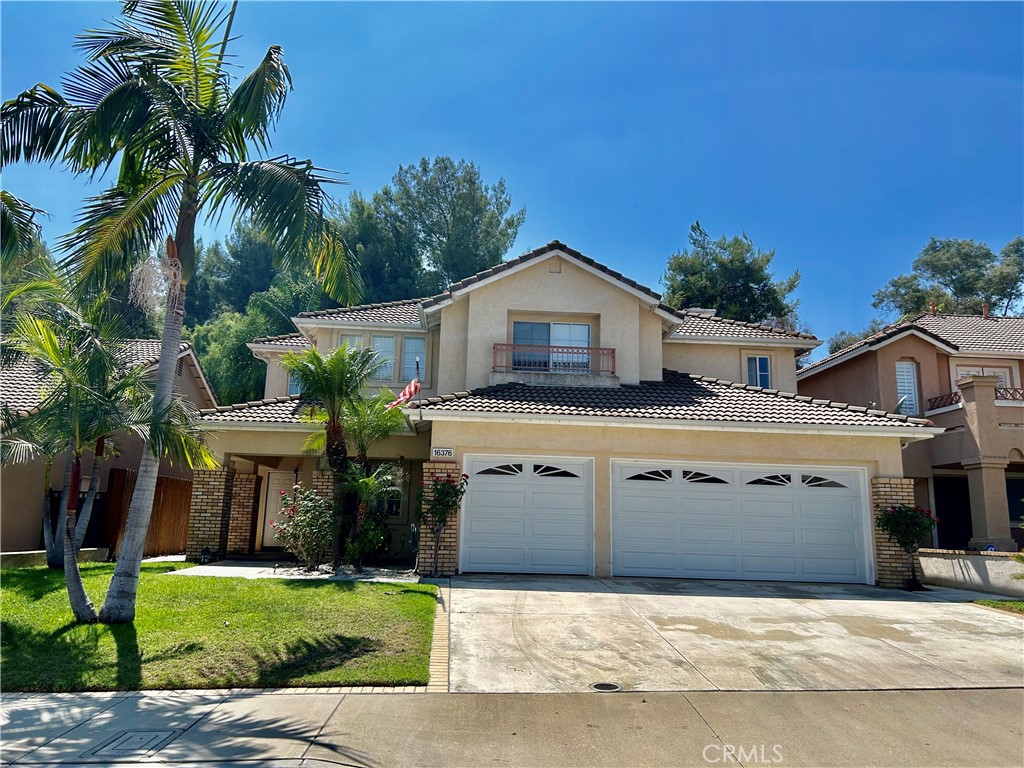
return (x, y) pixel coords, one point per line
(842, 135)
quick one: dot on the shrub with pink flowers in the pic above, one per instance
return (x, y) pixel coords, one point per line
(307, 527)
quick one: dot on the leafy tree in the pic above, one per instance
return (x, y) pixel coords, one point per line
(844, 339)
(333, 381)
(155, 98)
(436, 223)
(235, 375)
(732, 277)
(959, 276)
(389, 260)
(906, 526)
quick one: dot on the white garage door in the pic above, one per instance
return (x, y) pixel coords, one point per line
(528, 515)
(730, 522)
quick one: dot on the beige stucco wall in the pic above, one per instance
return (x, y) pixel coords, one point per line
(880, 455)
(476, 321)
(729, 361)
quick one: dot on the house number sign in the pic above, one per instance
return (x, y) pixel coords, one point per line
(442, 453)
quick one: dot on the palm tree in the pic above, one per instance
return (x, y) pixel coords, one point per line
(365, 420)
(334, 382)
(154, 97)
(88, 402)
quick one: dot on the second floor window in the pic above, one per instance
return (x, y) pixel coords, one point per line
(412, 347)
(385, 346)
(906, 388)
(351, 340)
(293, 385)
(759, 371)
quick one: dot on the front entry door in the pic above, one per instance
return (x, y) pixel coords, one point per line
(276, 483)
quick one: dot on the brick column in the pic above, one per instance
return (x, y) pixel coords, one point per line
(323, 484)
(210, 514)
(892, 567)
(245, 499)
(448, 557)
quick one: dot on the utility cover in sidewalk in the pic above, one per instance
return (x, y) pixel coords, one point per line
(134, 743)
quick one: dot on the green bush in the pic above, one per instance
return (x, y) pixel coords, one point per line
(307, 527)
(906, 525)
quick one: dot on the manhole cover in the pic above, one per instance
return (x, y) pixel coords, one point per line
(134, 743)
(605, 687)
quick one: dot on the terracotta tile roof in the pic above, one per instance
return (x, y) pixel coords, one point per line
(284, 340)
(697, 323)
(21, 387)
(275, 410)
(679, 397)
(970, 332)
(405, 312)
(554, 245)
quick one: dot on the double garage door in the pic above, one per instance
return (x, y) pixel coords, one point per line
(536, 515)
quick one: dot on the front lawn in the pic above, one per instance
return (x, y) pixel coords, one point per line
(210, 632)
(1013, 606)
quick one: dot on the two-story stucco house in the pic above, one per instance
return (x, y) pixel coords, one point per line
(965, 373)
(602, 432)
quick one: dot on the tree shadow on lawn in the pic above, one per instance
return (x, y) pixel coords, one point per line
(64, 659)
(304, 657)
(33, 583)
(299, 584)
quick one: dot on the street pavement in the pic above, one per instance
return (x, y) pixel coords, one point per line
(282, 729)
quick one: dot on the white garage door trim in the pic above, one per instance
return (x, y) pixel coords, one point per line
(470, 464)
(861, 473)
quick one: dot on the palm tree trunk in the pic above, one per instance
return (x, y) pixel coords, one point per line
(90, 501)
(48, 544)
(119, 604)
(55, 558)
(81, 605)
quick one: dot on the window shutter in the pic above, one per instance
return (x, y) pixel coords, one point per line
(906, 386)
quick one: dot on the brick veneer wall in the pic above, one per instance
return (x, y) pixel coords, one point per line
(892, 567)
(245, 499)
(210, 514)
(448, 557)
(323, 484)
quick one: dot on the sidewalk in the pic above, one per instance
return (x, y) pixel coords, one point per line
(293, 730)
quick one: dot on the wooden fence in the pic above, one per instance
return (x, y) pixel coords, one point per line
(168, 528)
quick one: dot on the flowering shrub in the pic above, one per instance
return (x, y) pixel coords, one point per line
(906, 526)
(435, 511)
(307, 527)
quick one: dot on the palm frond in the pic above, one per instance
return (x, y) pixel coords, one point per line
(36, 126)
(336, 266)
(19, 229)
(118, 227)
(257, 101)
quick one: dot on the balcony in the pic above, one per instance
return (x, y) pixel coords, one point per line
(1004, 394)
(554, 365)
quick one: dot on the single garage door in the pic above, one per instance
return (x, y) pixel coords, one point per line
(733, 522)
(528, 515)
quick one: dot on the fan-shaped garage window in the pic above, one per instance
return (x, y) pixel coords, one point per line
(692, 476)
(817, 481)
(655, 475)
(503, 469)
(771, 480)
(546, 470)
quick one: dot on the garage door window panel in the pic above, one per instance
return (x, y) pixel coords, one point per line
(503, 469)
(771, 480)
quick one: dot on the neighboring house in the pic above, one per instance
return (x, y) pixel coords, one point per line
(966, 374)
(602, 432)
(21, 485)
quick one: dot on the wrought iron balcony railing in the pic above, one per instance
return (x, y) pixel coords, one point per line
(534, 357)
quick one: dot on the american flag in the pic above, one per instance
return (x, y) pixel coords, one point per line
(408, 394)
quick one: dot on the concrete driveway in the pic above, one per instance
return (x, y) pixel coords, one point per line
(542, 634)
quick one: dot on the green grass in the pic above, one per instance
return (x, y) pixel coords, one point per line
(1013, 606)
(207, 632)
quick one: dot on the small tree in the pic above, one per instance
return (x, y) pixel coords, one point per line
(445, 499)
(906, 525)
(371, 529)
(307, 527)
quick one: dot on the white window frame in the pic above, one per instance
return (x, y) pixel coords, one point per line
(352, 340)
(912, 405)
(962, 370)
(758, 372)
(293, 387)
(386, 372)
